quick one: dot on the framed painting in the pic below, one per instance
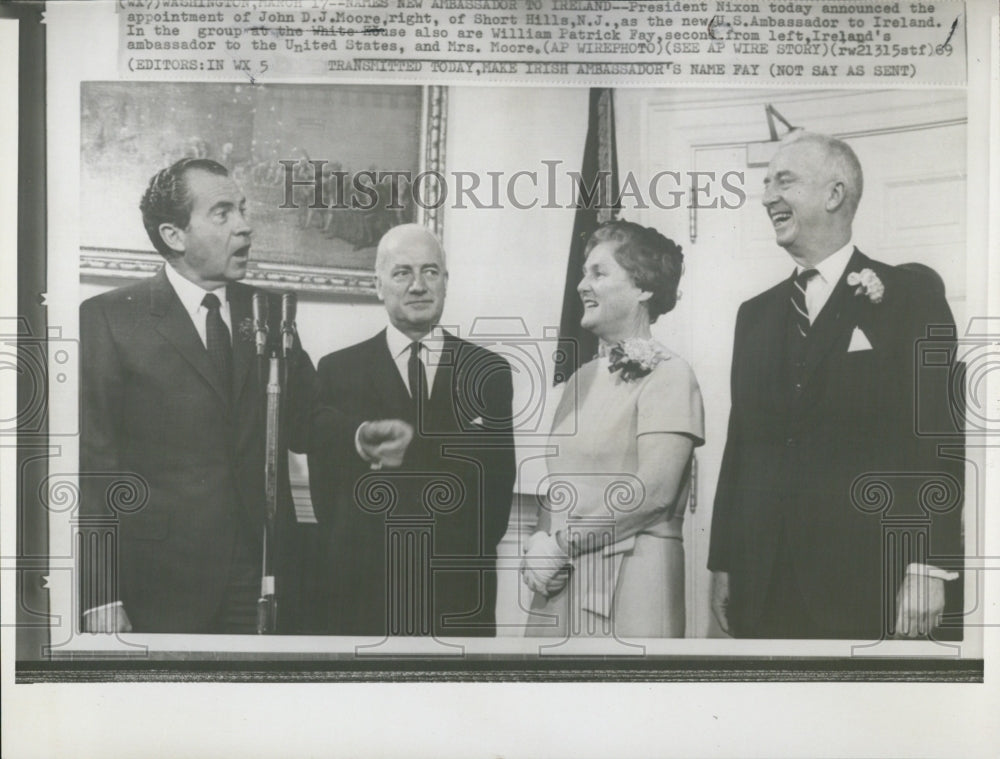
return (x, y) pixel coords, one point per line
(326, 170)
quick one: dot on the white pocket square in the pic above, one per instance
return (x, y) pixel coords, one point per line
(859, 341)
(478, 421)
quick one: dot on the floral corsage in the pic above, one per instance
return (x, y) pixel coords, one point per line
(635, 357)
(867, 282)
(246, 330)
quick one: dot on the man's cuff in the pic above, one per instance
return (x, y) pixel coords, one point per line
(928, 571)
(376, 465)
(103, 607)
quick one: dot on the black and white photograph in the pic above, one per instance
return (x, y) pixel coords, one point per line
(644, 475)
(359, 380)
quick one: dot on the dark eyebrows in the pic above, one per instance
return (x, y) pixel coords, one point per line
(226, 205)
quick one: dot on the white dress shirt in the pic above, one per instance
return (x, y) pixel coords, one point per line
(431, 347)
(829, 271)
(191, 296)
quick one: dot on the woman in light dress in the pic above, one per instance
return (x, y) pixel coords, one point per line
(607, 557)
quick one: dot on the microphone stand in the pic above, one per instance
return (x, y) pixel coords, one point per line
(267, 604)
(275, 368)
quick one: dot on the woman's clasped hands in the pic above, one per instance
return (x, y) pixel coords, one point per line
(545, 566)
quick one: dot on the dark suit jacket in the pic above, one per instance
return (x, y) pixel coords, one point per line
(154, 414)
(427, 532)
(832, 469)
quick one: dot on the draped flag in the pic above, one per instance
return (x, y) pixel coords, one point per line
(597, 202)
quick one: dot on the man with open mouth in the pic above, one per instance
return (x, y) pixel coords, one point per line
(172, 408)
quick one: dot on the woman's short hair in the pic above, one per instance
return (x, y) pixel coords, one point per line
(654, 262)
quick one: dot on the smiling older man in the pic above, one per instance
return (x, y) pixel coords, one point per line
(412, 461)
(826, 388)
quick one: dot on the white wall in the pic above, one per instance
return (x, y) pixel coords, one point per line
(510, 262)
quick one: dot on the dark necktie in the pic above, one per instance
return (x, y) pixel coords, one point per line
(417, 377)
(218, 341)
(800, 313)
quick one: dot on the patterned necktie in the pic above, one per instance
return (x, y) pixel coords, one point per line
(417, 377)
(218, 340)
(799, 310)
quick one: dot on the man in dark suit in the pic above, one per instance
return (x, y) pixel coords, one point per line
(172, 406)
(833, 517)
(411, 464)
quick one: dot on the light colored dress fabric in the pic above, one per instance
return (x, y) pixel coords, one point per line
(635, 586)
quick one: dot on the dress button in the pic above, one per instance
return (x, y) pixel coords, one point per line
(798, 387)
(790, 442)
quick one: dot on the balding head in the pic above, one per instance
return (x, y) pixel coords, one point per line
(841, 161)
(811, 192)
(407, 236)
(411, 278)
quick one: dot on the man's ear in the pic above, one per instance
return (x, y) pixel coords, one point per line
(174, 237)
(378, 288)
(837, 196)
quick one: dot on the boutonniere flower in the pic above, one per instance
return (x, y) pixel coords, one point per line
(635, 358)
(246, 330)
(867, 282)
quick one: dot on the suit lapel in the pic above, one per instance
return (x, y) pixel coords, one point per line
(386, 379)
(174, 323)
(768, 341)
(446, 389)
(839, 315)
(444, 385)
(392, 397)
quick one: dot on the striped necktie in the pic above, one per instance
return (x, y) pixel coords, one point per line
(800, 313)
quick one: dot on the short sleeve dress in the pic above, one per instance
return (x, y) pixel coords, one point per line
(635, 586)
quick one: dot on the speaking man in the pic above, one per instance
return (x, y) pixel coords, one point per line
(826, 485)
(172, 408)
(412, 461)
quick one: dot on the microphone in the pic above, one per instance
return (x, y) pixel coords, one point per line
(289, 304)
(260, 314)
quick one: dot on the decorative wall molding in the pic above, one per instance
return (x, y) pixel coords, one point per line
(434, 140)
(118, 263)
